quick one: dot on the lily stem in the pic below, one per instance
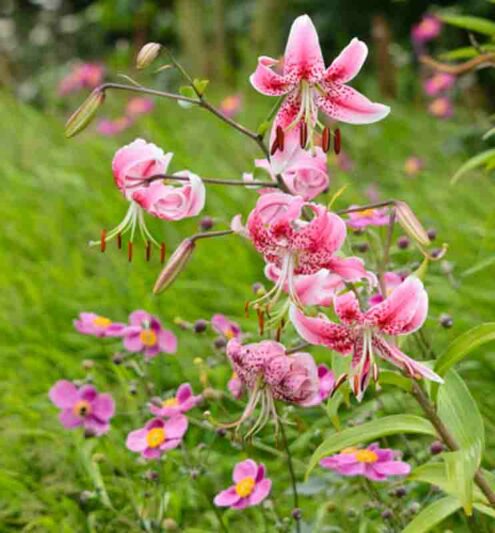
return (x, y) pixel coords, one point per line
(212, 181)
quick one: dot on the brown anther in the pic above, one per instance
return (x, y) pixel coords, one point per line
(274, 147)
(119, 241)
(148, 250)
(303, 135)
(129, 251)
(280, 138)
(278, 333)
(337, 141)
(261, 320)
(162, 252)
(103, 242)
(325, 140)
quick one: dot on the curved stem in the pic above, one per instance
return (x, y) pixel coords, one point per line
(145, 90)
(387, 203)
(461, 68)
(210, 234)
(212, 181)
(295, 495)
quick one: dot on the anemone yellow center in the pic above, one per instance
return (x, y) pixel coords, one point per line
(245, 487)
(229, 334)
(82, 408)
(171, 402)
(101, 322)
(148, 337)
(350, 450)
(366, 456)
(365, 213)
(155, 437)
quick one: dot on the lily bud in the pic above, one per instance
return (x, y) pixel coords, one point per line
(84, 113)
(411, 225)
(174, 266)
(148, 53)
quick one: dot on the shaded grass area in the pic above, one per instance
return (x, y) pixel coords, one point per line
(58, 194)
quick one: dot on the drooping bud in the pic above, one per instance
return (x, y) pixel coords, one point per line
(85, 113)
(148, 53)
(411, 225)
(174, 266)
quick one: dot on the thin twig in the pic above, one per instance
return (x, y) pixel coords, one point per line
(210, 234)
(461, 68)
(387, 203)
(212, 181)
(298, 348)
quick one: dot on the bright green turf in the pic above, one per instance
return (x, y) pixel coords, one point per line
(57, 194)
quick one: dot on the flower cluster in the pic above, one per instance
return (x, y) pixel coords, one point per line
(135, 108)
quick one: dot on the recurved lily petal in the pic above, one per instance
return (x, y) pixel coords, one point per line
(267, 81)
(348, 63)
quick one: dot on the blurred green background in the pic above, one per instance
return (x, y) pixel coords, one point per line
(57, 194)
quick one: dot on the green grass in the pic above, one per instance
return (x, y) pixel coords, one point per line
(58, 194)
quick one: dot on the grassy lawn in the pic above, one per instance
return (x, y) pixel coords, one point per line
(58, 194)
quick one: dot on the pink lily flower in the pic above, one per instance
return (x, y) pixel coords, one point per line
(439, 83)
(364, 333)
(82, 406)
(392, 280)
(225, 327)
(326, 380)
(309, 86)
(98, 326)
(427, 29)
(235, 386)
(368, 217)
(250, 487)
(83, 76)
(231, 105)
(139, 105)
(170, 202)
(297, 246)
(146, 334)
(304, 173)
(109, 128)
(441, 107)
(182, 402)
(372, 462)
(413, 165)
(157, 436)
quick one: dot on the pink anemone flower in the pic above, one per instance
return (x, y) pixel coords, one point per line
(146, 334)
(364, 333)
(426, 30)
(310, 86)
(304, 173)
(326, 380)
(183, 401)
(139, 105)
(269, 374)
(372, 462)
(231, 105)
(157, 436)
(225, 327)
(297, 246)
(82, 76)
(368, 217)
(413, 165)
(83, 406)
(98, 326)
(251, 486)
(439, 83)
(441, 107)
(109, 128)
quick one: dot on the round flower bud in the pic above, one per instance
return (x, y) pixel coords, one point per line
(206, 223)
(446, 321)
(403, 242)
(200, 326)
(219, 343)
(361, 247)
(436, 447)
(432, 234)
(148, 53)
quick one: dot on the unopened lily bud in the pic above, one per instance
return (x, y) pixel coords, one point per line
(411, 225)
(148, 53)
(84, 113)
(174, 266)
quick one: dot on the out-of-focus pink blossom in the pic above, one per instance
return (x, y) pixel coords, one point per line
(372, 462)
(231, 105)
(139, 105)
(344, 162)
(413, 165)
(441, 107)
(83, 406)
(392, 280)
(82, 76)
(183, 401)
(327, 383)
(225, 327)
(109, 128)
(368, 217)
(439, 83)
(146, 334)
(157, 436)
(363, 334)
(98, 326)
(250, 487)
(427, 29)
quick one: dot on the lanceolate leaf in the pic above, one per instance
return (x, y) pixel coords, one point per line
(432, 515)
(477, 24)
(381, 427)
(463, 345)
(475, 162)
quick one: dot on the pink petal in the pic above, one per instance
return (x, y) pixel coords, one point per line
(116, 329)
(63, 394)
(347, 308)
(392, 468)
(132, 341)
(88, 393)
(226, 498)
(267, 81)
(136, 440)
(351, 269)
(348, 63)
(184, 392)
(345, 104)
(247, 468)
(96, 426)
(167, 341)
(176, 427)
(261, 472)
(170, 444)
(69, 420)
(136, 318)
(302, 58)
(104, 407)
(321, 331)
(151, 453)
(260, 492)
